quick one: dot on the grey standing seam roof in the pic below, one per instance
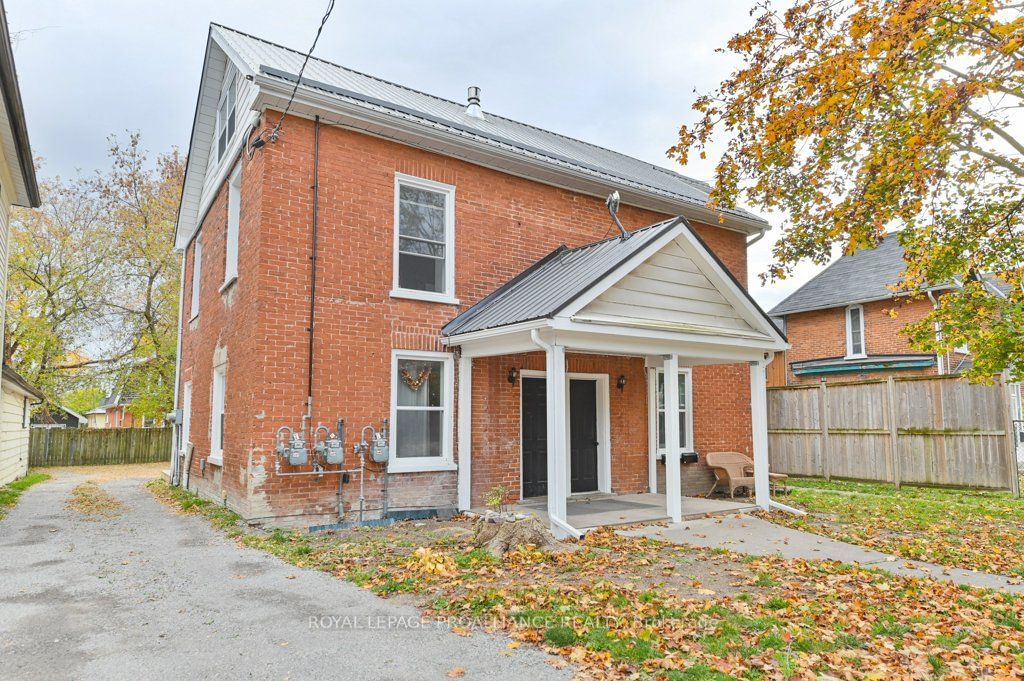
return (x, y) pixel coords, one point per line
(554, 281)
(282, 63)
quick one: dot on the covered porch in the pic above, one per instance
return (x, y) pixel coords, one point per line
(599, 510)
(657, 296)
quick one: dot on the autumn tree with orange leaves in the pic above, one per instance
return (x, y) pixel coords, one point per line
(859, 117)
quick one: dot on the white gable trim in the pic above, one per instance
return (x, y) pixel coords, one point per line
(724, 283)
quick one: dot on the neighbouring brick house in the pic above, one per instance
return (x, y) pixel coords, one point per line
(845, 323)
(393, 255)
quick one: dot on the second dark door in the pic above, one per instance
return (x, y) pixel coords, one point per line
(535, 437)
(583, 435)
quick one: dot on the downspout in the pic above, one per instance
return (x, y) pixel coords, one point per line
(176, 450)
(760, 235)
(558, 522)
(308, 418)
(940, 358)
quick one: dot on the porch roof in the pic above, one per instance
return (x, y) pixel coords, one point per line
(661, 283)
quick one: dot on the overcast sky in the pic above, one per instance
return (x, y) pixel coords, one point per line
(614, 73)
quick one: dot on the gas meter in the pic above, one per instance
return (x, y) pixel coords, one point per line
(292, 449)
(379, 450)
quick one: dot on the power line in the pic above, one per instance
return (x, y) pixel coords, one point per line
(276, 130)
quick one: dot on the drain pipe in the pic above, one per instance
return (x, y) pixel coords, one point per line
(557, 522)
(760, 235)
(307, 420)
(175, 447)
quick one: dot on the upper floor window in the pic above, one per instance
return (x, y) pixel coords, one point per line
(226, 114)
(855, 331)
(685, 415)
(234, 213)
(197, 264)
(424, 262)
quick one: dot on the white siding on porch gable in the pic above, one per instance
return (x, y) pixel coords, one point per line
(669, 287)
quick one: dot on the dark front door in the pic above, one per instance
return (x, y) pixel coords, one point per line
(583, 434)
(535, 437)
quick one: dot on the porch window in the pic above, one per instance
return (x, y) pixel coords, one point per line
(685, 415)
(422, 387)
(855, 331)
(424, 240)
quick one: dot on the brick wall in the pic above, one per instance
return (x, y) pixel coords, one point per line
(821, 334)
(503, 224)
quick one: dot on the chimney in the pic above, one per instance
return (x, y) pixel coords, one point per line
(473, 103)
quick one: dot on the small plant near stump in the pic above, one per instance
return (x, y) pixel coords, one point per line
(495, 499)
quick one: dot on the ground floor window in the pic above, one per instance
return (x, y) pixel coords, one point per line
(217, 422)
(421, 410)
(685, 414)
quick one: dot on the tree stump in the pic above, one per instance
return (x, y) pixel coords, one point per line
(505, 535)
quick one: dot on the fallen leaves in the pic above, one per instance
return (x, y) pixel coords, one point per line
(93, 502)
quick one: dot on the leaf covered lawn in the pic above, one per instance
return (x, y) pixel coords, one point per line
(622, 607)
(975, 530)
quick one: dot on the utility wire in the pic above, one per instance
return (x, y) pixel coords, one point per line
(277, 128)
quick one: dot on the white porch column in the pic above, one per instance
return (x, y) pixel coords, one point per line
(673, 474)
(465, 430)
(759, 426)
(558, 488)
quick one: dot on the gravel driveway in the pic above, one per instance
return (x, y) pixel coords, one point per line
(155, 595)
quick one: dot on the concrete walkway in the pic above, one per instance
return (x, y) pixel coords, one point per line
(156, 595)
(754, 536)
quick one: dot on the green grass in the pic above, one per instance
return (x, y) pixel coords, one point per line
(9, 493)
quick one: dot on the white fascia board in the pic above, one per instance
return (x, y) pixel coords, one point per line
(630, 337)
(412, 132)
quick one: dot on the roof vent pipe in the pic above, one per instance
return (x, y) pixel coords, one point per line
(473, 103)
(613, 207)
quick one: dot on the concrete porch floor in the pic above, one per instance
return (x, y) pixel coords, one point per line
(597, 510)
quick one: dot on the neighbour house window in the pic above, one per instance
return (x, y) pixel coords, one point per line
(234, 212)
(855, 331)
(685, 415)
(217, 421)
(226, 115)
(197, 263)
(424, 240)
(422, 388)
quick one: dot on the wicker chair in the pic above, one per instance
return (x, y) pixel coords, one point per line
(730, 469)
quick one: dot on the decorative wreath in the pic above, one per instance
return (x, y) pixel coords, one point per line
(420, 378)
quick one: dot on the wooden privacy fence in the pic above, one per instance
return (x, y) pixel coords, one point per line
(934, 430)
(97, 447)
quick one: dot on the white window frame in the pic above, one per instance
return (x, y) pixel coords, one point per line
(218, 404)
(448, 295)
(445, 462)
(197, 265)
(850, 354)
(685, 375)
(229, 89)
(234, 216)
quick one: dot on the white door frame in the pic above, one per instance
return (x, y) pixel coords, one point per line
(604, 430)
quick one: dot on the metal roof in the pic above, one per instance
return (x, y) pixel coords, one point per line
(858, 278)
(554, 281)
(275, 61)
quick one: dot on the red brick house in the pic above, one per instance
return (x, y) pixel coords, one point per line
(844, 324)
(424, 267)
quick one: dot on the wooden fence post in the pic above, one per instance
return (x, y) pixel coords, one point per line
(894, 433)
(1006, 402)
(826, 467)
